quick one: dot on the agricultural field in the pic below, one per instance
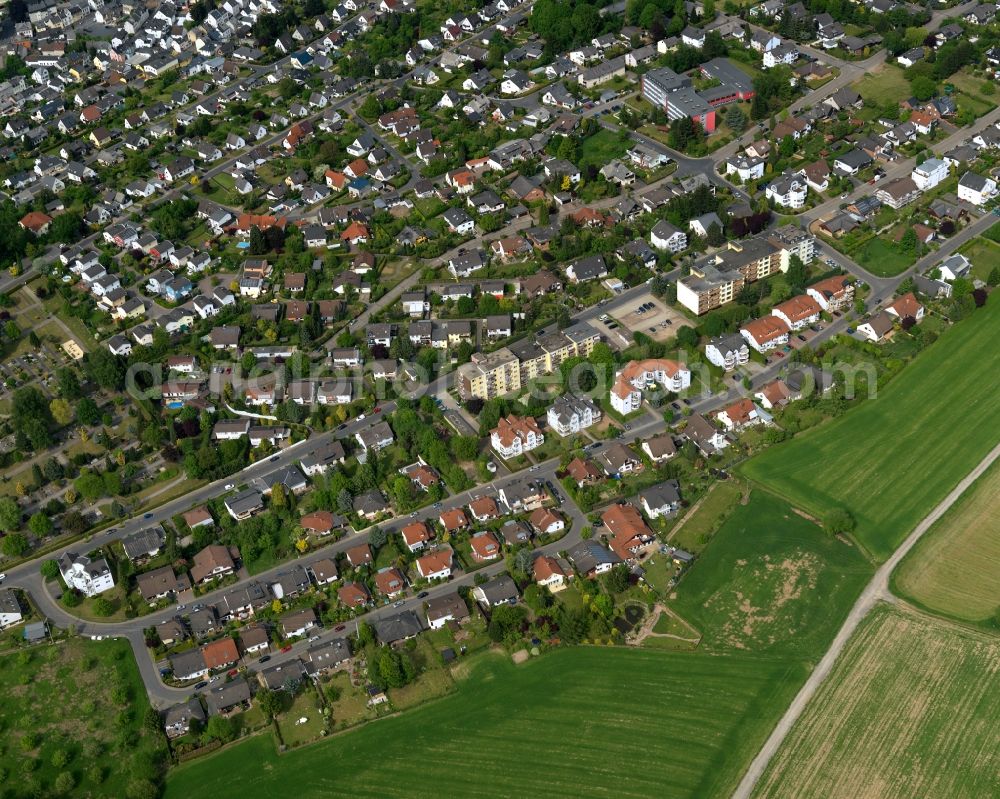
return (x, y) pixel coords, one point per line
(868, 460)
(771, 582)
(72, 719)
(910, 709)
(955, 568)
(697, 718)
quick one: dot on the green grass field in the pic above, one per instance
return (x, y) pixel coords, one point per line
(76, 709)
(955, 568)
(882, 258)
(771, 582)
(883, 86)
(559, 726)
(695, 532)
(910, 709)
(984, 255)
(602, 147)
(891, 460)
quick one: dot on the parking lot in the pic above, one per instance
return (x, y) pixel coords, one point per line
(648, 315)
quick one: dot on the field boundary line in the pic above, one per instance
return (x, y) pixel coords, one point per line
(876, 590)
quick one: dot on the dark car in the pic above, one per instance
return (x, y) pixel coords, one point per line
(264, 658)
(340, 628)
(273, 458)
(201, 685)
(422, 594)
(147, 516)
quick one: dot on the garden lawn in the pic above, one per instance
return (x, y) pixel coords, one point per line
(602, 147)
(984, 255)
(882, 258)
(911, 708)
(696, 718)
(883, 86)
(63, 705)
(893, 458)
(955, 568)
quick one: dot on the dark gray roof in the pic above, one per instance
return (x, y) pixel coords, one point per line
(499, 590)
(144, 542)
(447, 605)
(398, 627)
(227, 695)
(588, 555)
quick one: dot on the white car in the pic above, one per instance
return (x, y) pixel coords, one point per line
(229, 487)
(3, 577)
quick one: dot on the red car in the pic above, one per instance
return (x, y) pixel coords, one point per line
(377, 409)
(232, 672)
(286, 648)
(340, 628)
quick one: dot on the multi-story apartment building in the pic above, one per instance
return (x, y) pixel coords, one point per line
(717, 279)
(489, 375)
(791, 240)
(506, 370)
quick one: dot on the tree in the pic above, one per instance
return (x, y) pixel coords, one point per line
(62, 412)
(64, 783)
(797, 273)
(838, 521)
(14, 545)
(103, 607)
(269, 703)
(378, 536)
(993, 279)
(90, 485)
(506, 622)
(107, 370)
(687, 337)
(366, 635)
(279, 498)
(68, 383)
(715, 236)
(10, 515)
(31, 417)
(49, 569)
(736, 120)
(258, 244)
(40, 524)
(923, 88)
(73, 522)
(618, 579)
(219, 728)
